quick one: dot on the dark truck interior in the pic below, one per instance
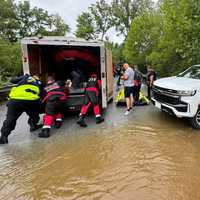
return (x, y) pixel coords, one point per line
(66, 62)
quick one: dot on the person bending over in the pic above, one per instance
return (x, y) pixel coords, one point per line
(24, 97)
(91, 98)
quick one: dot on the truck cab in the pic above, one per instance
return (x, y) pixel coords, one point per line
(180, 95)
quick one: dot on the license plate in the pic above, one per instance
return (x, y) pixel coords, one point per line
(158, 105)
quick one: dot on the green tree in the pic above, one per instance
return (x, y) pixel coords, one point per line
(124, 11)
(85, 27)
(143, 37)
(36, 21)
(95, 23)
(8, 23)
(10, 60)
(101, 13)
(178, 47)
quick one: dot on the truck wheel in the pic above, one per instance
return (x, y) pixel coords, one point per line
(195, 121)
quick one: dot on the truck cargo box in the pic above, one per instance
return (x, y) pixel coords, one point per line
(70, 58)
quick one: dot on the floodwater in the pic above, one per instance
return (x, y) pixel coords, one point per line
(147, 155)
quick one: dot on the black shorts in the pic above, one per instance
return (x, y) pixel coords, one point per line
(128, 91)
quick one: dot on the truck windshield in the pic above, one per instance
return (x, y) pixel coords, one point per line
(192, 72)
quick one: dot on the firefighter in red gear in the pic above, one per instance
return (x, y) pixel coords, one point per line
(91, 98)
(55, 96)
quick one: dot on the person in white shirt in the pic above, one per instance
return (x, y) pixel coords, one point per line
(129, 92)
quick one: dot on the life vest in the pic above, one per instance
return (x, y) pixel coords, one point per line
(25, 92)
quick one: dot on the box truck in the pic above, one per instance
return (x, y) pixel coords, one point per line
(70, 58)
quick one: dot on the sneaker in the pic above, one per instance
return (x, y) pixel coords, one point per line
(99, 120)
(127, 112)
(44, 133)
(81, 121)
(58, 124)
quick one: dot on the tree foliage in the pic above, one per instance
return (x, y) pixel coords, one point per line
(10, 60)
(172, 33)
(20, 20)
(124, 11)
(85, 26)
(96, 22)
(36, 21)
(8, 21)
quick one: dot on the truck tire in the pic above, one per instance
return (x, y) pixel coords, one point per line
(195, 121)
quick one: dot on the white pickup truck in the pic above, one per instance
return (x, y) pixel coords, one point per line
(180, 95)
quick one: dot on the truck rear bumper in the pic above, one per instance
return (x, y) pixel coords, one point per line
(181, 110)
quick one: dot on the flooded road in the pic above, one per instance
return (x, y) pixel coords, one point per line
(147, 155)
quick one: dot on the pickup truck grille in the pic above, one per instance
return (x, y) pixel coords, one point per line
(166, 96)
(166, 99)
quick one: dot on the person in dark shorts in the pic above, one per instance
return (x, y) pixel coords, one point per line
(129, 91)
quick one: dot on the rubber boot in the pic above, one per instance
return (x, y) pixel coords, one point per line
(99, 120)
(58, 124)
(44, 133)
(3, 140)
(35, 127)
(81, 121)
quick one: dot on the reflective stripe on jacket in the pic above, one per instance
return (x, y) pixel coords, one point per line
(25, 92)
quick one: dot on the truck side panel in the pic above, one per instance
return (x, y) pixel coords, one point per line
(25, 59)
(109, 74)
(103, 77)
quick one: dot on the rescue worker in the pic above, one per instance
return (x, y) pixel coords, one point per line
(91, 98)
(24, 97)
(151, 77)
(129, 90)
(54, 99)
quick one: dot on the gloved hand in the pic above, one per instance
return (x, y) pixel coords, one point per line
(68, 83)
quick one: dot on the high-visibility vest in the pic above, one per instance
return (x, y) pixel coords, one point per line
(25, 92)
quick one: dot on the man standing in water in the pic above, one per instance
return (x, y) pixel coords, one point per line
(128, 78)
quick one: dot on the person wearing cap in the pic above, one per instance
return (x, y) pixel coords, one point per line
(91, 98)
(55, 95)
(24, 97)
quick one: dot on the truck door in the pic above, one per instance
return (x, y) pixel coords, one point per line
(103, 77)
(109, 75)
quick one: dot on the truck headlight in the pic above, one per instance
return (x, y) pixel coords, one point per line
(186, 93)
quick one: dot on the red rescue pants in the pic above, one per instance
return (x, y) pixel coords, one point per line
(85, 108)
(48, 120)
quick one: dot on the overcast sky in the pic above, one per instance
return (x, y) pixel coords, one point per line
(69, 11)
